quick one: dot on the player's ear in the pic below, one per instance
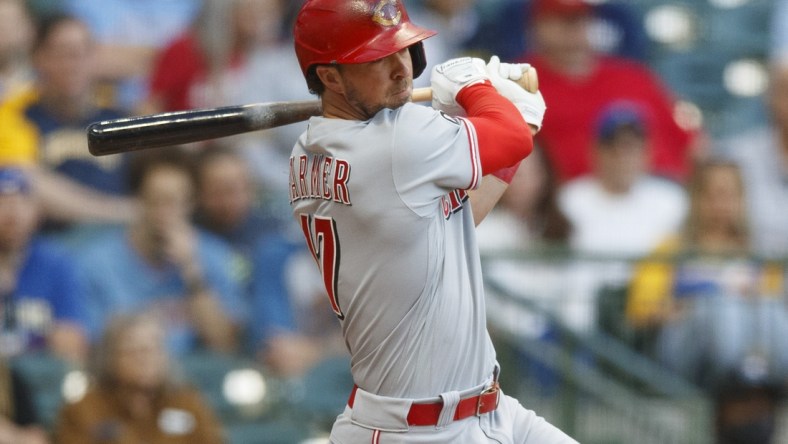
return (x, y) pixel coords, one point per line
(330, 77)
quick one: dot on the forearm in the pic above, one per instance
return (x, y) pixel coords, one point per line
(484, 198)
(64, 199)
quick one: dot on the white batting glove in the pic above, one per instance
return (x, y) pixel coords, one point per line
(450, 77)
(503, 75)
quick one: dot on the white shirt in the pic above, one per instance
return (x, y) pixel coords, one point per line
(623, 225)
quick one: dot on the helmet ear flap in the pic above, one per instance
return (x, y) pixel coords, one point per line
(418, 58)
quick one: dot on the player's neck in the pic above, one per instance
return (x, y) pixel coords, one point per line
(336, 106)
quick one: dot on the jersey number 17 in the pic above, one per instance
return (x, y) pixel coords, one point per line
(322, 240)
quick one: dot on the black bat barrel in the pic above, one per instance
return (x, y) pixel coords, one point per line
(181, 127)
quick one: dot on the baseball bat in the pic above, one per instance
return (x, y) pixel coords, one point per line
(181, 127)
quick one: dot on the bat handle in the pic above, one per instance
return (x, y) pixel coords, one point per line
(422, 94)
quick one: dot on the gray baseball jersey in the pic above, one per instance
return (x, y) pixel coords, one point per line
(383, 206)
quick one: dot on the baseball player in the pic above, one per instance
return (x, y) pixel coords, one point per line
(388, 193)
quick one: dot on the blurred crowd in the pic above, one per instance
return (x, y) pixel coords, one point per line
(121, 264)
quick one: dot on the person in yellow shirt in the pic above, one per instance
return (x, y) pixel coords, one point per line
(715, 235)
(716, 312)
(17, 136)
(43, 127)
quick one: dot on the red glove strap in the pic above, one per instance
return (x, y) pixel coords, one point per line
(507, 174)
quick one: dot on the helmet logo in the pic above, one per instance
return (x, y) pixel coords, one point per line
(387, 13)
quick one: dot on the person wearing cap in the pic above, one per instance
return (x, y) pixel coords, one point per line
(40, 294)
(578, 80)
(388, 194)
(619, 208)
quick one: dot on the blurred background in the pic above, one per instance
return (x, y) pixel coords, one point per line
(635, 269)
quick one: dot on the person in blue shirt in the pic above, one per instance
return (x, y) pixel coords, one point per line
(232, 205)
(41, 298)
(163, 263)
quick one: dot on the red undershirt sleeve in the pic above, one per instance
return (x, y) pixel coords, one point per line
(503, 136)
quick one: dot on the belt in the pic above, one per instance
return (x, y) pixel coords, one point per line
(426, 414)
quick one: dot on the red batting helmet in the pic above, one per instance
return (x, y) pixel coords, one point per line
(355, 31)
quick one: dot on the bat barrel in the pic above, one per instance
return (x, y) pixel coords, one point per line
(176, 128)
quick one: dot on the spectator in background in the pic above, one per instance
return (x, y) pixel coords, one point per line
(715, 314)
(136, 397)
(16, 38)
(286, 333)
(161, 262)
(527, 216)
(235, 53)
(762, 154)
(129, 35)
(577, 81)
(456, 21)
(208, 65)
(45, 128)
(618, 211)
(42, 310)
(619, 208)
(293, 331)
(41, 298)
(228, 200)
(528, 223)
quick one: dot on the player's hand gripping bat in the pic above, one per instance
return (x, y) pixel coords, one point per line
(181, 127)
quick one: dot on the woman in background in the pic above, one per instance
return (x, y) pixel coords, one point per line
(135, 398)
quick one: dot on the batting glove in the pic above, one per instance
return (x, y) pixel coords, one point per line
(503, 76)
(450, 77)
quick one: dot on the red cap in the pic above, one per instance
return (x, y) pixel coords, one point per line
(541, 8)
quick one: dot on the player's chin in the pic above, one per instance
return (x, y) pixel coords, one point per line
(398, 98)
(404, 93)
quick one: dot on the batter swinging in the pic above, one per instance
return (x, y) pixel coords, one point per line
(388, 194)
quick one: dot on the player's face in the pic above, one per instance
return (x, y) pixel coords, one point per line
(383, 83)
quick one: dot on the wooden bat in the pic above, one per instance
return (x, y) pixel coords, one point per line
(181, 127)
